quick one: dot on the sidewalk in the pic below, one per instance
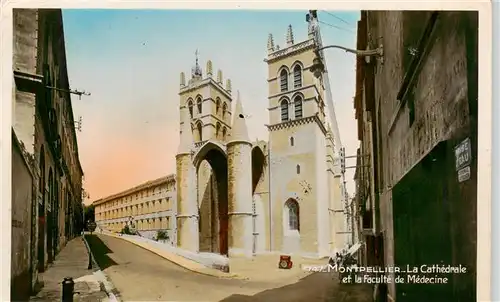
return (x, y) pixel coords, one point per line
(72, 261)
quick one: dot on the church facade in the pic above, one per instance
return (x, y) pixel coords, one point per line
(236, 197)
(242, 197)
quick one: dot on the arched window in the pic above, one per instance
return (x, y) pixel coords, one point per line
(198, 104)
(224, 133)
(284, 110)
(293, 215)
(291, 141)
(298, 106)
(284, 80)
(200, 131)
(298, 169)
(217, 130)
(217, 105)
(297, 76)
(224, 110)
(190, 106)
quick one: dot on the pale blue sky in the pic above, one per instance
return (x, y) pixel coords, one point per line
(130, 60)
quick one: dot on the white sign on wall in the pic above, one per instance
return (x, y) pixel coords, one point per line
(464, 174)
(463, 154)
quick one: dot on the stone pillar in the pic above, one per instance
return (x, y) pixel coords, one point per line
(239, 155)
(187, 208)
(240, 198)
(186, 182)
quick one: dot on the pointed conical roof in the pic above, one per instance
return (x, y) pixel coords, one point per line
(239, 131)
(186, 139)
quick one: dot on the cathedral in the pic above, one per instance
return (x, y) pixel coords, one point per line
(239, 197)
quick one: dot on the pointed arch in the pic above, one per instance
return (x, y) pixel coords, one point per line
(201, 154)
(199, 104)
(293, 214)
(297, 69)
(217, 105)
(199, 130)
(190, 106)
(284, 106)
(224, 133)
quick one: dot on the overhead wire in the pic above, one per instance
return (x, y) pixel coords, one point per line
(337, 17)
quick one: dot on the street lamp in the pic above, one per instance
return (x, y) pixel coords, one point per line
(318, 67)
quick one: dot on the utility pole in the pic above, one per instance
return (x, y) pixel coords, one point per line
(71, 91)
(312, 19)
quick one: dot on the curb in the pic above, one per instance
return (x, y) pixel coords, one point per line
(106, 284)
(207, 271)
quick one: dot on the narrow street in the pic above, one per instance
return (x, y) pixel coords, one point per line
(140, 275)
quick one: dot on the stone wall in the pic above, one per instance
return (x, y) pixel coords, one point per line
(437, 107)
(22, 182)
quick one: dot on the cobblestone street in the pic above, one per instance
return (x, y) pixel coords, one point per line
(140, 275)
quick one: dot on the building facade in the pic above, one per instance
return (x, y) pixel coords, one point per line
(148, 207)
(240, 197)
(417, 122)
(44, 131)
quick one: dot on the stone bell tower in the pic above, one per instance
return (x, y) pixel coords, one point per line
(205, 107)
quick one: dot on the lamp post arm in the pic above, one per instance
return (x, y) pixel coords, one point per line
(361, 53)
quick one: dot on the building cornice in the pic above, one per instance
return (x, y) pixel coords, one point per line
(143, 186)
(202, 83)
(291, 50)
(296, 122)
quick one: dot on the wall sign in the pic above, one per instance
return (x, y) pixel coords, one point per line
(463, 154)
(464, 174)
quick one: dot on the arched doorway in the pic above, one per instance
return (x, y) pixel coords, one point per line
(211, 170)
(41, 211)
(258, 163)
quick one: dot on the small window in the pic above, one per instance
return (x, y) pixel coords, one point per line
(291, 141)
(298, 169)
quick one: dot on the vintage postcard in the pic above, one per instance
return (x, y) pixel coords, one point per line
(244, 151)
